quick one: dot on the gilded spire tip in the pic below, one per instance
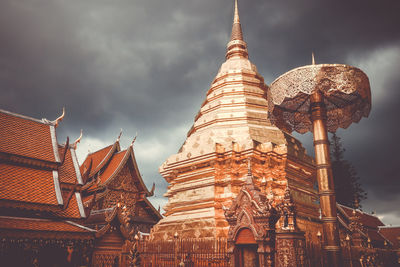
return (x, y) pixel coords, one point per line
(312, 58)
(236, 27)
(236, 17)
(236, 45)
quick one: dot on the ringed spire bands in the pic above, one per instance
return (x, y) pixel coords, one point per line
(237, 47)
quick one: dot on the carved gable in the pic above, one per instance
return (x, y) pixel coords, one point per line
(124, 181)
(253, 210)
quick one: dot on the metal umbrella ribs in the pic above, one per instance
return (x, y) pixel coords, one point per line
(321, 98)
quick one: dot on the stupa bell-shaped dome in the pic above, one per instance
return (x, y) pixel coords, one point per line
(236, 108)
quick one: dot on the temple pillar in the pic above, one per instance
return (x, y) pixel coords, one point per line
(290, 248)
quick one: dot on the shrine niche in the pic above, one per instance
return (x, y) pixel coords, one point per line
(251, 218)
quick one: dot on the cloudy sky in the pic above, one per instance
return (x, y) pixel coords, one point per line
(145, 66)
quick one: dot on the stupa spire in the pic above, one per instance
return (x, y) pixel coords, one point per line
(236, 27)
(236, 45)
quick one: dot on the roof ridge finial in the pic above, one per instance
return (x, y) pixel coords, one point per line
(75, 144)
(56, 121)
(134, 139)
(119, 136)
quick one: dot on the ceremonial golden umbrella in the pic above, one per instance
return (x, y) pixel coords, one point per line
(321, 98)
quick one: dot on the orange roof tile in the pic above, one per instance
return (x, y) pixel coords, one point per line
(25, 137)
(368, 220)
(14, 223)
(391, 233)
(66, 172)
(87, 199)
(112, 166)
(97, 158)
(20, 183)
(374, 235)
(72, 210)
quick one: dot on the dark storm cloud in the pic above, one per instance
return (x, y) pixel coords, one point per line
(283, 33)
(146, 65)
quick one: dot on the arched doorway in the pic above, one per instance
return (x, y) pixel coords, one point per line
(246, 249)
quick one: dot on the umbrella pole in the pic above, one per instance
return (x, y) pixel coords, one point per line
(331, 242)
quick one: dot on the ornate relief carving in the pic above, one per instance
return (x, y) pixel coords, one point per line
(345, 88)
(253, 210)
(123, 181)
(290, 251)
(287, 211)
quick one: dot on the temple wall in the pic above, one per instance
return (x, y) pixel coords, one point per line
(200, 189)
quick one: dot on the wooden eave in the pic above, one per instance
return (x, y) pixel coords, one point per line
(26, 234)
(26, 161)
(151, 207)
(28, 205)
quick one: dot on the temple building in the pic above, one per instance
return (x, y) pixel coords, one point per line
(234, 125)
(54, 211)
(115, 199)
(42, 213)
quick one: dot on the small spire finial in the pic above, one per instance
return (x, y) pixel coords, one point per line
(237, 46)
(236, 16)
(249, 179)
(236, 27)
(312, 58)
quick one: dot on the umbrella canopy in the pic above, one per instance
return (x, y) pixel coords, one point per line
(345, 90)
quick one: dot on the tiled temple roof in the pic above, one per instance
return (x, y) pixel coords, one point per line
(110, 166)
(33, 172)
(27, 137)
(20, 183)
(369, 222)
(115, 162)
(392, 233)
(99, 158)
(67, 172)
